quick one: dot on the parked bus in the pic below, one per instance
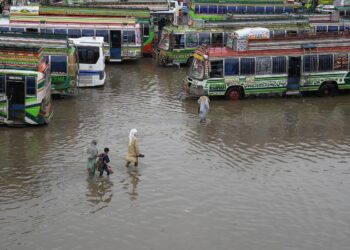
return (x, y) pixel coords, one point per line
(25, 88)
(91, 61)
(60, 54)
(142, 15)
(285, 66)
(216, 9)
(121, 35)
(178, 43)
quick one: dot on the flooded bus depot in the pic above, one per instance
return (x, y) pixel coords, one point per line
(262, 173)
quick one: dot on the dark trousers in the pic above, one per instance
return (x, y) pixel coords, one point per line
(104, 169)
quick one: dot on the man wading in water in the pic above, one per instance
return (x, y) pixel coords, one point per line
(203, 108)
(92, 155)
(133, 149)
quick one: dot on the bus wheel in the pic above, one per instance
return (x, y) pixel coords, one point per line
(233, 94)
(327, 89)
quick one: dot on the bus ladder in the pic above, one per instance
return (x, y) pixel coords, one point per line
(126, 42)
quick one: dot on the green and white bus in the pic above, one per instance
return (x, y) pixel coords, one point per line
(61, 55)
(25, 87)
(178, 43)
(284, 66)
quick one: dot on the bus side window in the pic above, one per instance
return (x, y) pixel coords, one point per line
(17, 29)
(32, 30)
(231, 9)
(103, 33)
(60, 31)
(310, 63)
(216, 68)
(247, 66)
(222, 9)
(30, 85)
(87, 33)
(204, 38)
(191, 40)
(74, 33)
(213, 9)
(279, 65)
(203, 9)
(46, 31)
(325, 62)
(231, 66)
(2, 85)
(4, 29)
(179, 41)
(263, 66)
(196, 9)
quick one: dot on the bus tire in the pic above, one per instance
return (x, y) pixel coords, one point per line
(234, 94)
(327, 89)
(189, 61)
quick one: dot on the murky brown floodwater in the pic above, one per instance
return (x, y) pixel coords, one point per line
(263, 174)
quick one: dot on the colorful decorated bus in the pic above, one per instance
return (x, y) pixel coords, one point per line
(216, 9)
(25, 88)
(122, 35)
(178, 43)
(60, 54)
(285, 66)
(141, 14)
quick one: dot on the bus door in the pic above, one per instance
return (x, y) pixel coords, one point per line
(15, 93)
(294, 71)
(116, 45)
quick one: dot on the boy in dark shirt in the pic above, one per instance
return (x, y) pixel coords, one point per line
(105, 161)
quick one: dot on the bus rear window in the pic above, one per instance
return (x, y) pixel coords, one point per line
(30, 85)
(129, 36)
(59, 64)
(88, 55)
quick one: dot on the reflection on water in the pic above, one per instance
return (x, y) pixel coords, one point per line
(99, 190)
(260, 174)
(130, 183)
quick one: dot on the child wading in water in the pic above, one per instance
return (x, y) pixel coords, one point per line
(103, 163)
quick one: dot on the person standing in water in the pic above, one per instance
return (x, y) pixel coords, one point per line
(203, 108)
(92, 156)
(133, 149)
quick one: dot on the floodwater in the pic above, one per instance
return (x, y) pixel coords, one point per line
(263, 173)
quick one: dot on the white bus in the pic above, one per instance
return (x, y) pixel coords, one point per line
(91, 61)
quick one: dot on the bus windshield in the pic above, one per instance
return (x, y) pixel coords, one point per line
(88, 55)
(196, 70)
(164, 41)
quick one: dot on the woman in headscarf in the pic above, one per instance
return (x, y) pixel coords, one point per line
(203, 108)
(92, 153)
(133, 149)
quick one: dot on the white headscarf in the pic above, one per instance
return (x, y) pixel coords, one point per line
(132, 135)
